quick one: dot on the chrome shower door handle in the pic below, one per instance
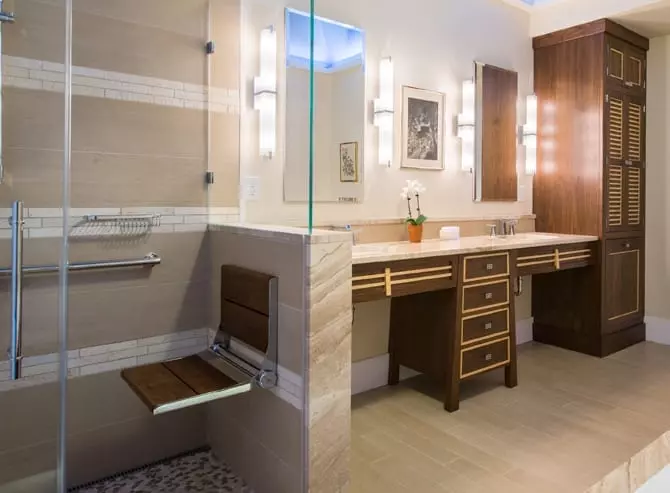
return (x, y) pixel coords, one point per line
(15, 353)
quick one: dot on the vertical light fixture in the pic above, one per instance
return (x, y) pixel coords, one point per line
(384, 111)
(265, 93)
(529, 134)
(466, 126)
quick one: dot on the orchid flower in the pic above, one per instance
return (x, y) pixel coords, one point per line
(413, 189)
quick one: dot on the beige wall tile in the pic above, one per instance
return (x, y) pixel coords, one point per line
(160, 41)
(103, 125)
(261, 437)
(225, 160)
(274, 422)
(133, 443)
(279, 258)
(105, 419)
(107, 180)
(329, 367)
(41, 34)
(22, 463)
(32, 119)
(107, 316)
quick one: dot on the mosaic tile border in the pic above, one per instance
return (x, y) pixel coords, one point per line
(28, 73)
(109, 357)
(48, 222)
(82, 362)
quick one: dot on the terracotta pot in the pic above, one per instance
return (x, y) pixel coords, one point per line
(415, 233)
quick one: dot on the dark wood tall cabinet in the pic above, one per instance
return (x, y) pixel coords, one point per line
(590, 81)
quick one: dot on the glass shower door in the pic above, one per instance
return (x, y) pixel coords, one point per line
(33, 155)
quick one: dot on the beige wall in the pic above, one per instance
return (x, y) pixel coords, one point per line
(658, 179)
(434, 51)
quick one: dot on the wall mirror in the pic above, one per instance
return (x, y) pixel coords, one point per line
(495, 134)
(339, 110)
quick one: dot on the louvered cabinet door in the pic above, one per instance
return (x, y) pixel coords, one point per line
(634, 162)
(614, 158)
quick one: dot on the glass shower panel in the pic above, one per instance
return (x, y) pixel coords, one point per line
(33, 153)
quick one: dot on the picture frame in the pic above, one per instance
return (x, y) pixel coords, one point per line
(422, 129)
(349, 162)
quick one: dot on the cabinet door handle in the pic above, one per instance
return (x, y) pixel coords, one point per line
(488, 296)
(489, 266)
(488, 357)
(488, 326)
(629, 84)
(626, 245)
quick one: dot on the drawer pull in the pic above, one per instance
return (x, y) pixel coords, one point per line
(488, 325)
(489, 266)
(626, 245)
(488, 296)
(488, 357)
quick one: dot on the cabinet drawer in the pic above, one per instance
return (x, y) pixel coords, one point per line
(539, 260)
(401, 278)
(485, 295)
(477, 328)
(479, 267)
(484, 357)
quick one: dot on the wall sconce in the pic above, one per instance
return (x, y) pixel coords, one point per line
(265, 92)
(384, 111)
(529, 135)
(466, 126)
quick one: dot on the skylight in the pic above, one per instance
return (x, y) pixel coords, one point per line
(336, 46)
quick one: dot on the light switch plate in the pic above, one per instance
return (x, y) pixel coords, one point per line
(252, 187)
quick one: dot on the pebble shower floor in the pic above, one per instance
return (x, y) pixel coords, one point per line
(196, 472)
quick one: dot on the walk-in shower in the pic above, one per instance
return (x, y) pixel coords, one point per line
(5, 17)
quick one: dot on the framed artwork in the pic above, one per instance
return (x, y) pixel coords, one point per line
(422, 129)
(349, 162)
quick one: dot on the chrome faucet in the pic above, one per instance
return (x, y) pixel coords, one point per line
(503, 228)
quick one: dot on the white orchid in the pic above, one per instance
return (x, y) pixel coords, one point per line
(414, 188)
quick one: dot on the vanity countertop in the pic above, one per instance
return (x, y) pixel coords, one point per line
(388, 252)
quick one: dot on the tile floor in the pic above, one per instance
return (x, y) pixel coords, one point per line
(198, 472)
(571, 420)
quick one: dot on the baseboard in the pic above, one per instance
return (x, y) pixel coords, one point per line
(524, 331)
(658, 329)
(372, 373)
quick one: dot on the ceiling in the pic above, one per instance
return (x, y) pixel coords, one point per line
(651, 22)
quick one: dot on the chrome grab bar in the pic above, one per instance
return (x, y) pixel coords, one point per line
(149, 260)
(17, 270)
(17, 290)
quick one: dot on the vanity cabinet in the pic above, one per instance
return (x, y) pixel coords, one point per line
(590, 81)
